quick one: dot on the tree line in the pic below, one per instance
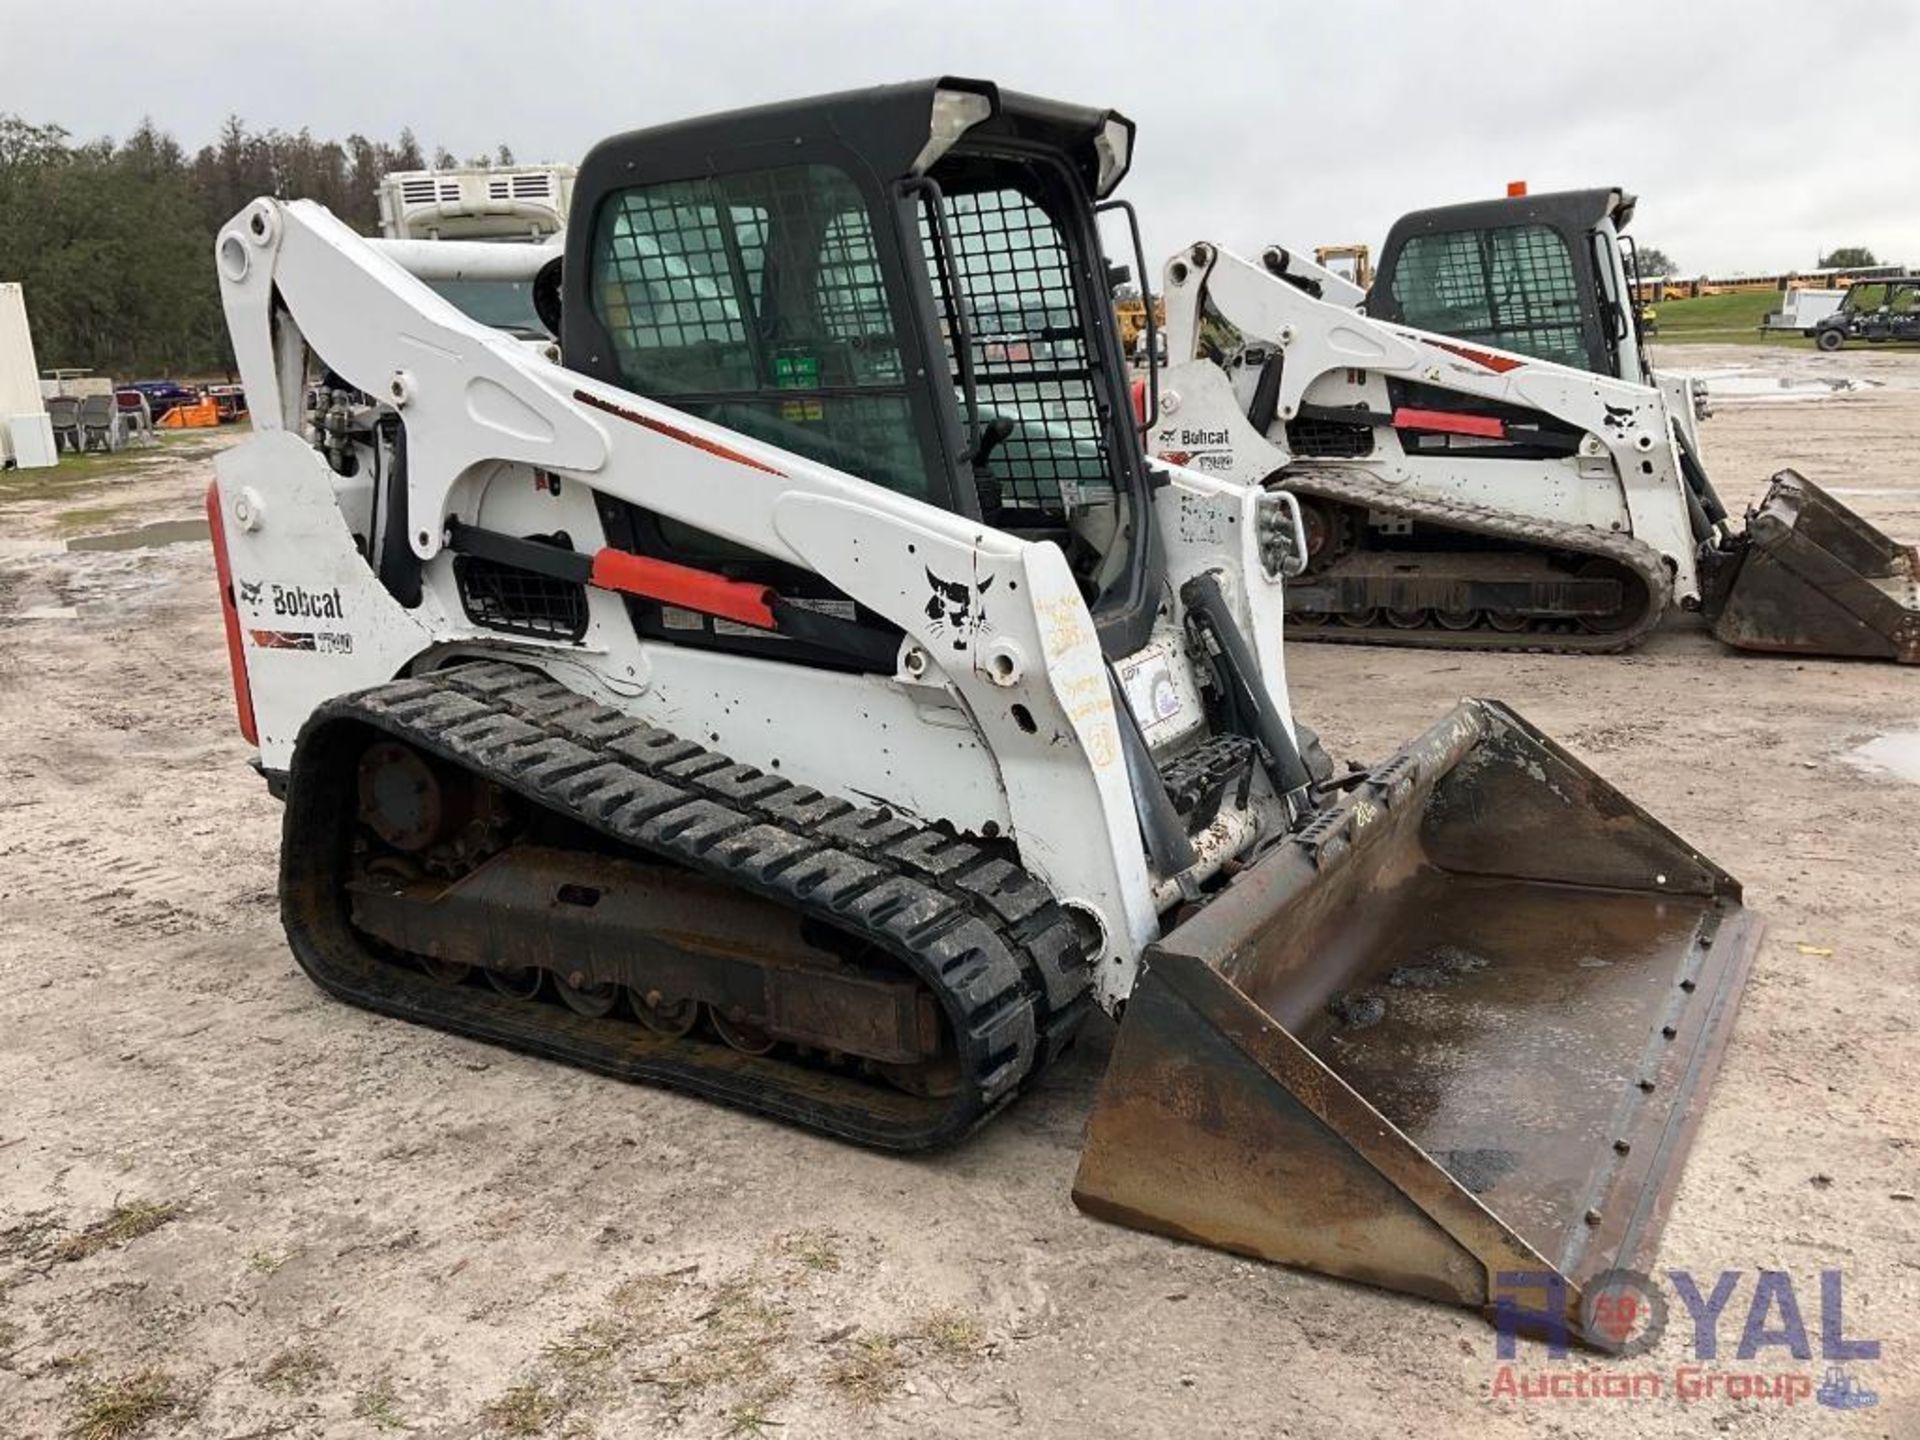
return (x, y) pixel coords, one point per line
(114, 240)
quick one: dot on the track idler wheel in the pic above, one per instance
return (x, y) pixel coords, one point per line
(1329, 532)
(520, 983)
(741, 1034)
(663, 1016)
(400, 797)
(446, 820)
(447, 972)
(592, 1001)
(1632, 591)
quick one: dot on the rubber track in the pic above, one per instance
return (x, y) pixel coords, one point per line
(989, 939)
(1357, 489)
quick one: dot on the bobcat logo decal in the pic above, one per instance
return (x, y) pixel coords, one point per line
(1617, 418)
(954, 607)
(250, 591)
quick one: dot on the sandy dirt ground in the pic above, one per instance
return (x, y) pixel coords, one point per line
(230, 1207)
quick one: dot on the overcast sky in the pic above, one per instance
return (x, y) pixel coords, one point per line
(1755, 133)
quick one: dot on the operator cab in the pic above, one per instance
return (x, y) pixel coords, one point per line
(1550, 276)
(905, 283)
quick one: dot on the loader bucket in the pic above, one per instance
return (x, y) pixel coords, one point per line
(1452, 1039)
(1817, 579)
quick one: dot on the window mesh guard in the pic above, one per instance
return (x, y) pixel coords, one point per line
(1032, 357)
(520, 602)
(1513, 288)
(1536, 300)
(757, 300)
(1320, 437)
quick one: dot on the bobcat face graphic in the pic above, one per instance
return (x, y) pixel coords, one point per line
(954, 608)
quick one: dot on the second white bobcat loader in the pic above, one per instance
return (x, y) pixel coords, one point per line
(1515, 477)
(792, 684)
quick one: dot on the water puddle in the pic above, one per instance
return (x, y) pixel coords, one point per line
(1896, 753)
(146, 537)
(1748, 386)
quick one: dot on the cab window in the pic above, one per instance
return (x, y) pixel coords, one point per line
(1514, 287)
(1033, 355)
(756, 300)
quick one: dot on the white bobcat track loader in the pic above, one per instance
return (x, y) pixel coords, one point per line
(790, 683)
(1514, 476)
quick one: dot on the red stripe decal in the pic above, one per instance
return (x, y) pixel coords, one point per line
(1445, 422)
(672, 584)
(1499, 364)
(229, 612)
(674, 432)
(282, 639)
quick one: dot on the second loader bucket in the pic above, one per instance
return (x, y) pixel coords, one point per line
(1814, 578)
(1452, 1038)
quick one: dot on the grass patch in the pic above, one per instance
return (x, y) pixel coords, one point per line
(580, 1366)
(90, 517)
(97, 463)
(952, 1334)
(739, 1305)
(113, 1409)
(294, 1370)
(642, 1294)
(587, 1349)
(76, 473)
(1732, 318)
(379, 1406)
(639, 1294)
(524, 1410)
(123, 1225)
(815, 1250)
(870, 1370)
(738, 1327)
(749, 1415)
(265, 1262)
